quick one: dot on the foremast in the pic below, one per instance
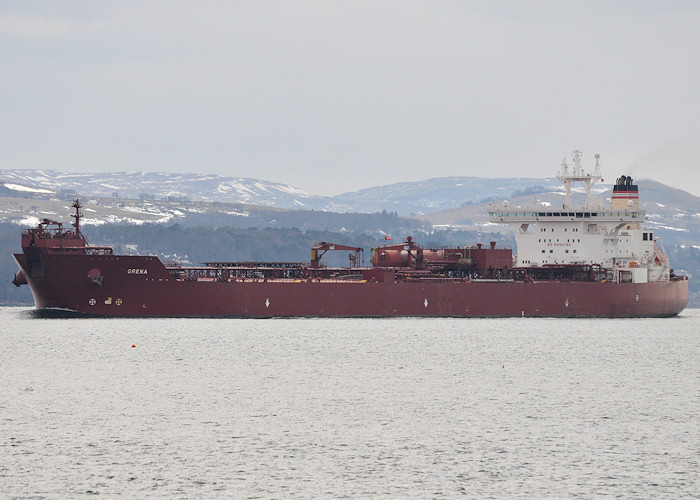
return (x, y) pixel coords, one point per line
(77, 216)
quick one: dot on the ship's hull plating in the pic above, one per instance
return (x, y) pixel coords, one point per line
(139, 286)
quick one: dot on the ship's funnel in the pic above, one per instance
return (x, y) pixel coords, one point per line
(625, 194)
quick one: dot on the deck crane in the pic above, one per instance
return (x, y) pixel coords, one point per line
(321, 248)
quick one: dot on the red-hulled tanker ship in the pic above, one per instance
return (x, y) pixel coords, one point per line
(607, 267)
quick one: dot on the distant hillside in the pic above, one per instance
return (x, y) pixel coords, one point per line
(433, 195)
(193, 199)
(158, 185)
(405, 198)
(98, 211)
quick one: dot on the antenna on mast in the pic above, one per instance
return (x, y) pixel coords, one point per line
(596, 169)
(77, 215)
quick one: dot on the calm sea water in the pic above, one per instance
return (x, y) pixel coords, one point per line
(349, 408)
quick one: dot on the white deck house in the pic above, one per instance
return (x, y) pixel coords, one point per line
(611, 237)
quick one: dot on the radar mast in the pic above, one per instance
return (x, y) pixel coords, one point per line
(568, 178)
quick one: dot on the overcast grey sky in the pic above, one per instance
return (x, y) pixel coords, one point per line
(335, 96)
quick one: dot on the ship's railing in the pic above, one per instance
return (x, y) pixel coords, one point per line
(230, 273)
(49, 233)
(562, 272)
(255, 265)
(554, 272)
(98, 250)
(518, 215)
(466, 247)
(355, 279)
(80, 250)
(279, 280)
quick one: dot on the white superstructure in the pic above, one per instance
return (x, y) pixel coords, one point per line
(611, 237)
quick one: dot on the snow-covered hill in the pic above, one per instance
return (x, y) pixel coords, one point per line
(446, 202)
(158, 185)
(405, 198)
